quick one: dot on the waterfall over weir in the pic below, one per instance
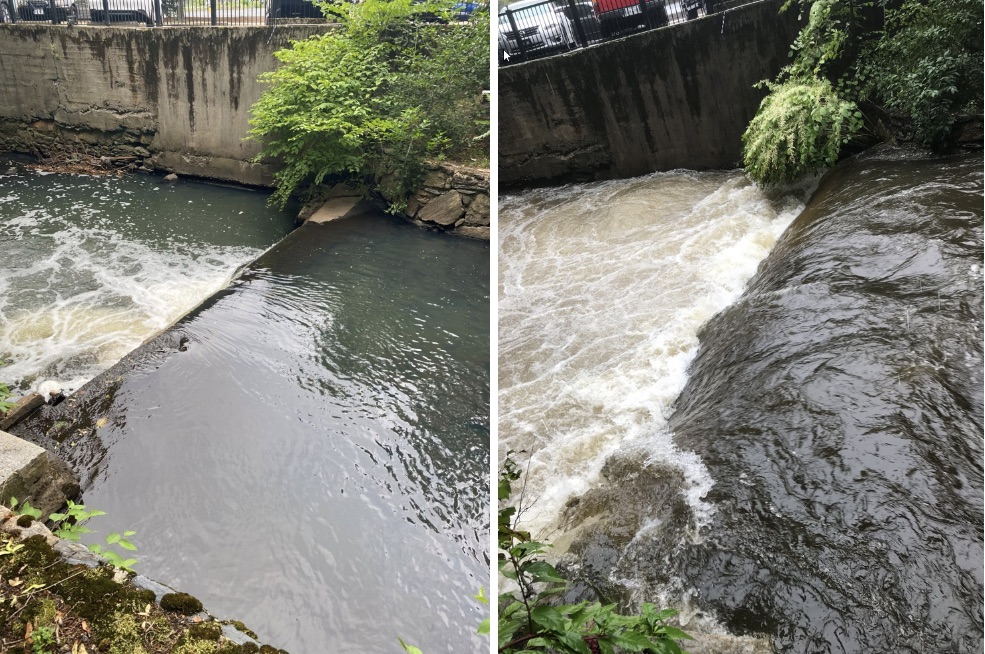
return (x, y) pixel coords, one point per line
(815, 473)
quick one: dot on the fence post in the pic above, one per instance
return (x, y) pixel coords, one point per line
(579, 30)
(516, 33)
(213, 11)
(106, 11)
(644, 13)
(158, 14)
(54, 12)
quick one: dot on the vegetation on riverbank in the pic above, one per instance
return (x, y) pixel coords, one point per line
(48, 605)
(376, 99)
(911, 70)
(531, 619)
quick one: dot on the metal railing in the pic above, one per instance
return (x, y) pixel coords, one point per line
(159, 12)
(531, 29)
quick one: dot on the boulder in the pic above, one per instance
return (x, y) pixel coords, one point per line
(444, 210)
(478, 212)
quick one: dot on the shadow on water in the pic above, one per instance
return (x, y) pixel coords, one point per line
(309, 450)
(838, 408)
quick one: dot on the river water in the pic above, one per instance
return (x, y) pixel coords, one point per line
(805, 465)
(91, 266)
(308, 451)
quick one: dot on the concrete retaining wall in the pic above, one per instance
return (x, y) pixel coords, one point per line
(176, 98)
(677, 97)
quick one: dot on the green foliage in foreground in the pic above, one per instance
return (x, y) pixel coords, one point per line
(530, 621)
(375, 99)
(918, 60)
(69, 526)
(4, 395)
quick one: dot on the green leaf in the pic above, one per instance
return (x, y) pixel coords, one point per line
(410, 649)
(674, 632)
(632, 641)
(574, 642)
(127, 545)
(112, 538)
(483, 627)
(541, 571)
(548, 618)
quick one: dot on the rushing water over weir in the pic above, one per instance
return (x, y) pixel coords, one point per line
(92, 266)
(832, 417)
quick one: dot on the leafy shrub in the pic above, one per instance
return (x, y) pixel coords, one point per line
(374, 99)
(5, 393)
(799, 128)
(922, 59)
(928, 65)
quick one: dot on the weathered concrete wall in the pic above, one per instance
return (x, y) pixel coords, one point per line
(677, 97)
(177, 98)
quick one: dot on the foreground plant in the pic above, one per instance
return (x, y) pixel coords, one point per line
(5, 394)
(70, 526)
(530, 619)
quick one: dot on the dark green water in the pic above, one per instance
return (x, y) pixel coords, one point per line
(309, 452)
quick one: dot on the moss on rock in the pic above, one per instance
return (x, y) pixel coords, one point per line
(182, 603)
(205, 631)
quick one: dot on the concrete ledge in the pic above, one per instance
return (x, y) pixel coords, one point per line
(333, 209)
(29, 472)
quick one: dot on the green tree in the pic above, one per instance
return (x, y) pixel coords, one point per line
(374, 99)
(918, 60)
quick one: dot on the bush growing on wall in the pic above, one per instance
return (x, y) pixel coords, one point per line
(920, 60)
(375, 99)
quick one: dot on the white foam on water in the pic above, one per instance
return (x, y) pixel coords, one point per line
(76, 295)
(603, 289)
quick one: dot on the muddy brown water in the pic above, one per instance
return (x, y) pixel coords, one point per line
(818, 480)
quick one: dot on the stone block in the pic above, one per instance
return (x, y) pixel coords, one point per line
(444, 210)
(333, 209)
(29, 472)
(478, 211)
(438, 179)
(481, 233)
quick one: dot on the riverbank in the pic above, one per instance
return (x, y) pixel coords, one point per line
(60, 597)
(452, 198)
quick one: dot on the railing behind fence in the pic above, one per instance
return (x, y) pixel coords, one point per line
(174, 12)
(531, 29)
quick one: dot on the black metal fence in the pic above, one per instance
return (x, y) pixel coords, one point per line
(531, 29)
(159, 12)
